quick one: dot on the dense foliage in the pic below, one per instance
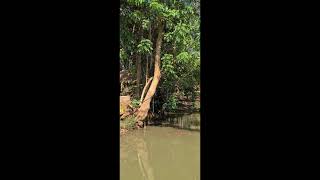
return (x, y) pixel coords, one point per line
(180, 50)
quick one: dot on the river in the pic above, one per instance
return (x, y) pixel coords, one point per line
(166, 151)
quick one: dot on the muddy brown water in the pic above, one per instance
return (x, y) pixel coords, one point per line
(167, 152)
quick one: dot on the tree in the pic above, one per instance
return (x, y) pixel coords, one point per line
(166, 31)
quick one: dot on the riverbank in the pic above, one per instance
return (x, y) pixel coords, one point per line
(185, 107)
(128, 124)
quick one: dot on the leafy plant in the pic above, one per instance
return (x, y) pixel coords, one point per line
(145, 46)
(171, 104)
(135, 103)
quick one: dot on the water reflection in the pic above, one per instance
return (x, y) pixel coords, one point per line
(162, 153)
(144, 160)
(138, 147)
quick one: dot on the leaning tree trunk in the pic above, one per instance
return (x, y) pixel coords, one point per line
(145, 105)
